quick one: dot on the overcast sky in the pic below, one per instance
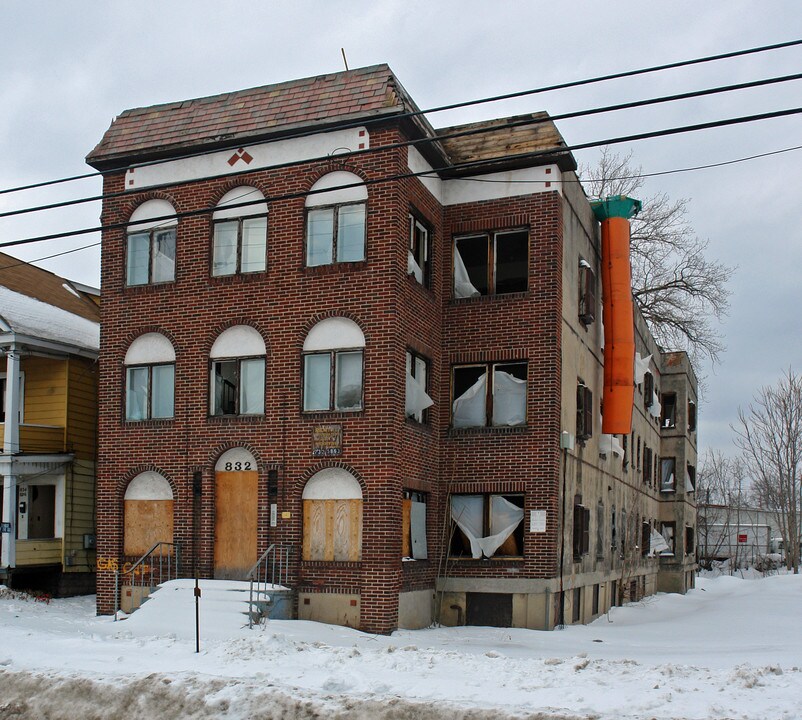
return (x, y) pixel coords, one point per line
(66, 75)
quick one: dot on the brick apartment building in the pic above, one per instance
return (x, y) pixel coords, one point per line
(328, 326)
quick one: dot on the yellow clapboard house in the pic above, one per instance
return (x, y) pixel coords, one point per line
(49, 339)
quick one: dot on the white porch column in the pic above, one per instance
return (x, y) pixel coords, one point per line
(10, 447)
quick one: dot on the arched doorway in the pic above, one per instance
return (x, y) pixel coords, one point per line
(236, 507)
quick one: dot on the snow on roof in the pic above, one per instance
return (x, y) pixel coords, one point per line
(28, 316)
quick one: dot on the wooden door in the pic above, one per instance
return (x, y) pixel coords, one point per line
(236, 505)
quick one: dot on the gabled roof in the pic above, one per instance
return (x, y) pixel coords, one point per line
(248, 115)
(40, 304)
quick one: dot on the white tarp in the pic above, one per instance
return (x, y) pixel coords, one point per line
(509, 399)
(641, 367)
(610, 444)
(469, 408)
(467, 511)
(416, 398)
(657, 543)
(413, 268)
(655, 408)
(463, 288)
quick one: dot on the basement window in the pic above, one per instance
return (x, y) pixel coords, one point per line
(413, 524)
(487, 526)
(501, 402)
(491, 264)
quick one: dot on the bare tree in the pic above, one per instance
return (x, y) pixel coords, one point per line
(678, 289)
(769, 434)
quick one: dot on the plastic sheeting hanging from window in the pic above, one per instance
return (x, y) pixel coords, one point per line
(610, 444)
(509, 399)
(417, 400)
(657, 543)
(641, 367)
(463, 288)
(467, 511)
(418, 531)
(655, 409)
(469, 409)
(413, 268)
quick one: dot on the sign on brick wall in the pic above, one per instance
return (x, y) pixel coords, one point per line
(327, 440)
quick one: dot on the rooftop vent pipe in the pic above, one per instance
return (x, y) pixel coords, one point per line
(617, 313)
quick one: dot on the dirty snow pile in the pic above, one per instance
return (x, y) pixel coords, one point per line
(732, 648)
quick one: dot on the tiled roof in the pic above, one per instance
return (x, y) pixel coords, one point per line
(250, 114)
(46, 287)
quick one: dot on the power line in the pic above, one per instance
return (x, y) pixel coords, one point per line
(400, 176)
(422, 141)
(454, 106)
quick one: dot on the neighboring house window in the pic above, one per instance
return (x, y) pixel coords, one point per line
(669, 530)
(335, 220)
(41, 511)
(668, 481)
(413, 526)
(491, 264)
(239, 243)
(584, 412)
(149, 378)
(148, 513)
(587, 293)
(691, 416)
(3, 397)
(668, 416)
(333, 366)
(237, 385)
(487, 526)
(489, 394)
(417, 398)
(332, 506)
(581, 537)
(150, 245)
(418, 256)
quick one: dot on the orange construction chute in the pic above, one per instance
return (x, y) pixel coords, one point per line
(617, 313)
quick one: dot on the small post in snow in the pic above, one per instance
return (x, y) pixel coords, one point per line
(197, 615)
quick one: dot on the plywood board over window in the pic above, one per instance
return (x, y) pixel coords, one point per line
(148, 513)
(332, 501)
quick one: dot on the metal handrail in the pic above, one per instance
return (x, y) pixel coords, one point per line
(269, 559)
(153, 571)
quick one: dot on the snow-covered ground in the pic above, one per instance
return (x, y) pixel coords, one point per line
(732, 648)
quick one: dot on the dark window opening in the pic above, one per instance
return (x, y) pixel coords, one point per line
(41, 512)
(494, 264)
(645, 537)
(576, 610)
(668, 415)
(668, 482)
(584, 412)
(581, 536)
(595, 606)
(691, 416)
(689, 540)
(691, 485)
(418, 258)
(587, 293)
(648, 390)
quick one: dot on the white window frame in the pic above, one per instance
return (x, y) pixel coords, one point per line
(242, 217)
(148, 351)
(238, 344)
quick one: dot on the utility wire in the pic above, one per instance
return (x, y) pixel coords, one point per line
(401, 176)
(454, 106)
(523, 122)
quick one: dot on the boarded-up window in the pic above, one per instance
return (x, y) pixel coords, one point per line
(148, 513)
(332, 502)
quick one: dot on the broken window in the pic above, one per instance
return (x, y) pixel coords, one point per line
(668, 415)
(477, 403)
(668, 531)
(691, 416)
(690, 478)
(587, 293)
(491, 264)
(237, 372)
(647, 465)
(149, 378)
(332, 521)
(648, 390)
(689, 540)
(239, 243)
(150, 244)
(645, 537)
(418, 254)
(584, 412)
(413, 526)
(600, 530)
(487, 526)
(333, 366)
(667, 475)
(417, 398)
(581, 536)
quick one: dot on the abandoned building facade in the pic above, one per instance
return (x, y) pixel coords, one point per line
(330, 328)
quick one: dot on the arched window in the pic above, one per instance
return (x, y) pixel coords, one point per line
(148, 513)
(240, 233)
(335, 220)
(149, 378)
(150, 247)
(332, 501)
(333, 366)
(237, 384)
